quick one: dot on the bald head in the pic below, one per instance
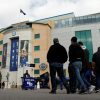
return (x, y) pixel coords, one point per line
(55, 40)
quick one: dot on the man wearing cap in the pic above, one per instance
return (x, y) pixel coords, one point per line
(56, 57)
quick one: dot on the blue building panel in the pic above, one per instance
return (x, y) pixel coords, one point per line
(14, 54)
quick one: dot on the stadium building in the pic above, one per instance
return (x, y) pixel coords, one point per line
(36, 37)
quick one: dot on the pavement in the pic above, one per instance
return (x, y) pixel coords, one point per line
(43, 94)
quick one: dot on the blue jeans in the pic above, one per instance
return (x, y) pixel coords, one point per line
(77, 66)
(88, 84)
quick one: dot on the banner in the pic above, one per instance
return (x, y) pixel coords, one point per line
(14, 54)
(24, 52)
(4, 56)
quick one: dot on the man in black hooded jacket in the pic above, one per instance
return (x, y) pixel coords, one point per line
(96, 63)
(56, 57)
(76, 57)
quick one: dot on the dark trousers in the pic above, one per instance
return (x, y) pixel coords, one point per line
(97, 80)
(72, 78)
(60, 73)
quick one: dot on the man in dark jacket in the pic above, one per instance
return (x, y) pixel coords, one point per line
(56, 57)
(96, 61)
(76, 56)
(86, 69)
(26, 75)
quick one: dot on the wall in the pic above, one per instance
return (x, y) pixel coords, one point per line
(23, 34)
(95, 32)
(43, 42)
(1, 47)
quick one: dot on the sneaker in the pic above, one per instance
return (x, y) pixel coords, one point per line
(97, 90)
(73, 92)
(83, 92)
(52, 92)
(91, 88)
(68, 90)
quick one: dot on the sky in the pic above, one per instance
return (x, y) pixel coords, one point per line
(39, 9)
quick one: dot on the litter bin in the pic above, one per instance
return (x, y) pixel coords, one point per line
(28, 83)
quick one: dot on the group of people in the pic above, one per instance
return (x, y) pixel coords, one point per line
(81, 71)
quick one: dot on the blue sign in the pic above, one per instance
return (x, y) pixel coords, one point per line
(43, 66)
(14, 54)
(28, 83)
(13, 33)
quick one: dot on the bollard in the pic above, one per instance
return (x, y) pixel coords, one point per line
(38, 85)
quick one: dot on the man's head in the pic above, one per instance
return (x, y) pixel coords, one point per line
(80, 43)
(98, 49)
(55, 40)
(26, 71)
(82, 46)
(74, 40)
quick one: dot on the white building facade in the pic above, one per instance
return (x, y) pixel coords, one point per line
(85, 28)
(64, 27)
(24, 47)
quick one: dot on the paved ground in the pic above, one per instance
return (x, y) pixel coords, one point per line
(43, 94)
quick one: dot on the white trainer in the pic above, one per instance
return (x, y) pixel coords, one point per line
(91, 88)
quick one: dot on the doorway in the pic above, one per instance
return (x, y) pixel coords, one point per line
(86, 38)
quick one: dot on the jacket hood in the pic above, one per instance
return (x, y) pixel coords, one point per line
(83, 47)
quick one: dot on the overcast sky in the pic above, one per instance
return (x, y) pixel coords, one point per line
(37, 9)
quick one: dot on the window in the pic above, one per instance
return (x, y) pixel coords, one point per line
(1, 42)
(36, 71)
(56, 24)
(0, 52)
(36, 36)
(37, 60)
(36, 48)
(93, 18)
(70, 21)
